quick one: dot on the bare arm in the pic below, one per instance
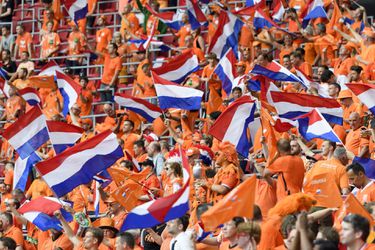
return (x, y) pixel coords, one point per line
(68, 230)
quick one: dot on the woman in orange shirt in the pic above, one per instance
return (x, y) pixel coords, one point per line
(50, 42)
(174, 174)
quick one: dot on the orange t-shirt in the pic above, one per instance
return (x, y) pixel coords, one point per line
(49, 43)
(332, 166)
(50, 107)
(85, 106)
(23, 41)
(129, 142)
(265, 196)
(103, 37)
(208, 72)
(12, 105)
(354, 142)
(342, 67)
(111, 65)
(182, 33)
(62, 242)
(293, 170)
(366, 194)
(109, 123)
(132, 24)
(76, 44)
(16, 234)
(367, 53)
(38, 188)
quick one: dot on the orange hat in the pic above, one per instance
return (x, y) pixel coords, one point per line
(105, 223)
(291, 204)
(87, 121)
(230, 152)
(345, 94)
(110, 199)
(192, 151)
(241, 63)
(256, 43)
(368, 32)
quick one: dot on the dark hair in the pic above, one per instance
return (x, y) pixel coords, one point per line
(177, 168)
(356, 68)
(7, 27)
(156, 146)
(238, 220)
(322, 27)
(286, 56)
(7, 51)
(336, 85)
(184, 220)
(127, 238)
(301, 51)
(201, 208)
(283, 145)
(356, 168)
(267, 56)
(208, 140)
(237, 88)
(330, 234)
(326, 75)
(24, 70)
(324, 245)
(9, 243)
(323, 66)
(97, 233)
(287, 224)
(359, 224)
(26, 52)
(139, 143)
(297, 54)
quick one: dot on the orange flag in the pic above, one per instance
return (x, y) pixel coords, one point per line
(42, 82)
(127, 195)
(324, 189)
(334, 20)
(119, 175)
(238, 202)
(351, 206)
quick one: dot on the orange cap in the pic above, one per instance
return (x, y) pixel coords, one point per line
(345, 94)
(87, 121)
(105, 223)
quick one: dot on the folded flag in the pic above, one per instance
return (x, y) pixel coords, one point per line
(40, 212)
(179, 67)
(69, 90)
(63, 135)
(232, 125)
(77, 9)
(313, 125)
(164, 209)
(291, 105)
(171, 95)
(226, 70)
(276, 72)
(238, 202)
(78, 164)
(28, 133)
(170, 18)
(368, 164)
(22, 170)
(30, 95)
(142, 107)
(50, 69)
(226, 35)
(262, 20)
(195, 14)
(314, 9)
(365, 93)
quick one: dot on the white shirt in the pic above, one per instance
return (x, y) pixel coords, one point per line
(182, 242)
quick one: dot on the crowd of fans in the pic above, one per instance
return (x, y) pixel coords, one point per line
(330, 51)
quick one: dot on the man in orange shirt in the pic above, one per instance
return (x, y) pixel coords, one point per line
(290, 170)
(357, 177)
(85, 98)
(103, 35)
(296, 59)
(57, 240)
(9, 230)
(22, 81)
(349, 106)
(334, 165)
(76, 45)
(129, 22)
(355, 142)
(110, 120)
(354, 232)
(50, 42)
(23, 41)
(125, 241)
(14, 106)
(38, 188)
(343, 63)
(140, 151)
(324, 45)
(128, 136)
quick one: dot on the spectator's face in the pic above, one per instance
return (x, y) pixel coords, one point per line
(243, 240)
(229, 230)
(320, 71)
(354, 121)
(4, 31)
(119, 245)
(137, 150)
(287, 40)
(343, 51)
(19, 30)
(287, 63)
(173, 226)
(108, 233)
(4, 55)
(89, 240)
(333, 90)
(240, 69)
(347, 234)
(49, 27)
(354, 179)
(237, 94)
(127, 127)
(325, 148)
(295, 147)
(353, 75)
(24, 57)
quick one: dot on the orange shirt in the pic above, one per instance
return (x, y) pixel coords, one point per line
(355, 107)
(49, 43)
(367, 53)
(119, 219)
(38, 188)
(354, 142)
(50, 106)
(13, 104)
(182, 33)
(332, 166)
(76, 44)
(8, 180)
(129, 23)
(367, 193)
(109, 123)
(208, 72)
(85, 106)
(228, 176)
(16, 234)
(45, 20)
(325, 42)
(342, 67)
(129, 142)
(62, 242)
(293, 170)
(103, 37)
(265, 196)
(23, 41)
(148, 86)
(111, 65)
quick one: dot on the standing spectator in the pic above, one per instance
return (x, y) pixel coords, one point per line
(7, 39)
(356, 142)
(85, 98)
(11, 231)
(129, 137)
(50, 43)
(49, 16)
(76, 45)
(181, 240)
(125, 241)
(103, 35)
(6, 11)
(355, 230)
(154, 151)
(23, 42)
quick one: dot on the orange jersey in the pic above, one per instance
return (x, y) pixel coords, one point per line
(111, 65)
(23, 41)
